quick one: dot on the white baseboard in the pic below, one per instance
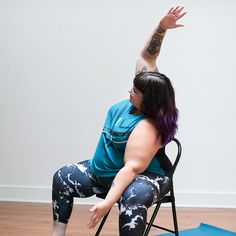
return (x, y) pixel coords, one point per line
(35, 194)
(206, 199)
(183, 199)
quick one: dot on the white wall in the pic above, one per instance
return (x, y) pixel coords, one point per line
(63, 63)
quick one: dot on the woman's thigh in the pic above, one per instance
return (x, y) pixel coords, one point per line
(145, 190)
(76, 180)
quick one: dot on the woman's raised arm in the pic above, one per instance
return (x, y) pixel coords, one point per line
(148, 56)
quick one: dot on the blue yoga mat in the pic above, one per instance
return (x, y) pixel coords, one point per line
(204, 230)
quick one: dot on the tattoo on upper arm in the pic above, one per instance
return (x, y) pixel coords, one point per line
(156, 41)
(145, 69)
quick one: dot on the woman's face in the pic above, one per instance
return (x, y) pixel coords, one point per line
(136, 97)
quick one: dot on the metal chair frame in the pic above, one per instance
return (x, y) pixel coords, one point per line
(168, 198)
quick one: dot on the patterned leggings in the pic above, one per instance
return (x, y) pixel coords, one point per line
(76, 180)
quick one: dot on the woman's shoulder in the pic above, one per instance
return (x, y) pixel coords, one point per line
(146, 130)
(148, 125)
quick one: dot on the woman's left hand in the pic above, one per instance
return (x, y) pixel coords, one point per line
(169, 21)
(98, 211)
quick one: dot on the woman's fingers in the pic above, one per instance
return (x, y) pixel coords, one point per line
(95, 217)
(93, 222)
(177, 11)
(179, 25)
(181, 15)
(169, 12)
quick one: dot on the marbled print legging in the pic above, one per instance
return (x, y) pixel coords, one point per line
(76, 180)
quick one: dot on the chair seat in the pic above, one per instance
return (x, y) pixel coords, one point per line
(166, 199)
(101, 195)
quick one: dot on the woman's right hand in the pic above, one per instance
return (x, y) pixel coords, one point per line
(169, 21)
(98, 211)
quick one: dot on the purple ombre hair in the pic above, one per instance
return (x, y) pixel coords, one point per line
(158, 102)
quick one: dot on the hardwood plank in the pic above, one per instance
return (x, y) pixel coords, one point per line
(28, 219)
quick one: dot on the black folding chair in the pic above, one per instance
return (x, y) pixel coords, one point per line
(168, 194)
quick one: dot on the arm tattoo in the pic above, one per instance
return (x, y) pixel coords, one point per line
(156, 41)
(145, 69)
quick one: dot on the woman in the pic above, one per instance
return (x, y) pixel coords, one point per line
(125, 164)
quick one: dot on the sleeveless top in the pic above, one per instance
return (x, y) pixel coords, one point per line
(109, 155)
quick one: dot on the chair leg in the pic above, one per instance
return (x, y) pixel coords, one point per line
(102, 223)
(175, 218)
(146, 232)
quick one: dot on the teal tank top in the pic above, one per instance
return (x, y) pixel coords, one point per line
(109, 155)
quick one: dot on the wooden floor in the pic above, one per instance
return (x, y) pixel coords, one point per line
(34, 219)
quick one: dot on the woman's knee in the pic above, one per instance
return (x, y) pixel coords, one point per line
(60, 177)
(56, 178)
(138, 193)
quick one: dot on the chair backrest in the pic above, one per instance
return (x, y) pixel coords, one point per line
(168, 166)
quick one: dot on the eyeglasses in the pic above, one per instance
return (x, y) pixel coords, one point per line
(134, 92)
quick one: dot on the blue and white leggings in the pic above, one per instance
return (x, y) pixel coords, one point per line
(76, 180)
